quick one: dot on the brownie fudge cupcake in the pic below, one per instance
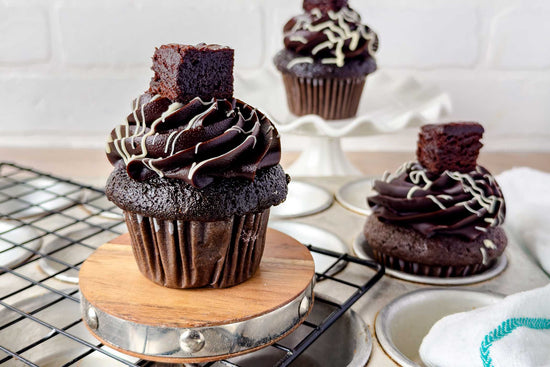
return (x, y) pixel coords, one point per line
(439, 216)
(195, 172)
(328, 54)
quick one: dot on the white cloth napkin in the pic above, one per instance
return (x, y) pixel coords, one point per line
(514, 332)
(527, 195)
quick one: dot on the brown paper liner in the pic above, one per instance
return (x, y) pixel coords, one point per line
(332, 99)
(191, 254)
(411, 267)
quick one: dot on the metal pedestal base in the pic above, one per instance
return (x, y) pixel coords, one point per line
(131, 314)
(323, 157)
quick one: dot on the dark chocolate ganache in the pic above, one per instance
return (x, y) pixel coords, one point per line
(463, 204)
(331, 37)
(195, 142)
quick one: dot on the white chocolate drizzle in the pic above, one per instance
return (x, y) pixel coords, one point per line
(489, 244)
(197, 147)
(491, 204)
(411, 191)
(242, 131)
(120, 145)
(434, 199)
(483, 255)
(300, 39)
(195, 166)
(316, 12)
(174, 142)
(467, 207)
(337, 32)
(122, 132)
(300, 60)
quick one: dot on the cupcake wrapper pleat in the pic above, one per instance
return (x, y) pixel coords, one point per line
(332, 99)
(191, 254)
(444, 271)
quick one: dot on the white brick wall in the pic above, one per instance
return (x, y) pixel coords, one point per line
(74, 65)
(25, 34)
(123, 33)
(517, 39)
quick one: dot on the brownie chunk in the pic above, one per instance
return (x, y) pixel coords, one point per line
(183, 72)
(453, 146)
(324, 5)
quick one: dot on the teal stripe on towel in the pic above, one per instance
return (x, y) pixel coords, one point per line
(506, 328)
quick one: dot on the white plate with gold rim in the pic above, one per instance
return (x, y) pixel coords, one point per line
(303, 199)
(353, 195)
(403, 323)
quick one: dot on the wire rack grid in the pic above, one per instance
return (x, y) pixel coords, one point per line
(52, 225)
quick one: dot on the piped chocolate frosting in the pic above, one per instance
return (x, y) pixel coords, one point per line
(452, 203)
(441, 196)
(189, 127)
(194, 142)
(330, 33)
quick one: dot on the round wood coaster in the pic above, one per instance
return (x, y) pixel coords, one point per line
(128, 312)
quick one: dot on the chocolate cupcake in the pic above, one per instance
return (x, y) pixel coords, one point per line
(195, 172)
(440, 216)
(327, 56)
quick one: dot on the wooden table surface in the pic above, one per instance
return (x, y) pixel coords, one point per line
(84, 164)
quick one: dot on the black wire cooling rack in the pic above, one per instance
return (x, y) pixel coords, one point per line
(48, 227)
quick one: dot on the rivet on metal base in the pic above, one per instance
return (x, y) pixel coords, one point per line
(304, 307)
(91, 318)
(191, 341)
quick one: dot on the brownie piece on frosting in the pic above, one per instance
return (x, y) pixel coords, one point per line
(324, 5)
(183, 72)
(453, 146)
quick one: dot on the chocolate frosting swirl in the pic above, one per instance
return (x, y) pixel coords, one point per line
(331, 37)
(195, 142)
(454, 203)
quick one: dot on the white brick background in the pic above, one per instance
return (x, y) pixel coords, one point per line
(69, 68)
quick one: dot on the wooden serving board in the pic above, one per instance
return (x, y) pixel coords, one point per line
(111, 282)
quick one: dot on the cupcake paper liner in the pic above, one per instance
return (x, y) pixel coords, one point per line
(445, 271)
(191, 254)
(332, 99)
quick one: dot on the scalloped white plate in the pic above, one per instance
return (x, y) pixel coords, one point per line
(388, 104)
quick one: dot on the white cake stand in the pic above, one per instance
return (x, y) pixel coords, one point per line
(388, 104)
